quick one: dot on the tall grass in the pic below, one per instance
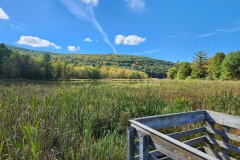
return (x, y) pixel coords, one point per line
(71, 120)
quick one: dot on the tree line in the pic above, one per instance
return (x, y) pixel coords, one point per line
(152, 67)
(220, 66)
(16, 65)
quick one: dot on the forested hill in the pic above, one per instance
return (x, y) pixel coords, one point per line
(72, 63)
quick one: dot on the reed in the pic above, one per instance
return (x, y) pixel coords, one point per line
(88, 120)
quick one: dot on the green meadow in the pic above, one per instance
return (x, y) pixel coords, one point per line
(88, 120)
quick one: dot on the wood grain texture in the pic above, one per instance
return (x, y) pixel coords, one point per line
(223, 119)
(171, 120)
(171, 147)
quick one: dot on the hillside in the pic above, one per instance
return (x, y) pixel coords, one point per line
(153, 67)
(72, 64)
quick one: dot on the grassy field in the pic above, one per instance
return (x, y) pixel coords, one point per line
(88, 120)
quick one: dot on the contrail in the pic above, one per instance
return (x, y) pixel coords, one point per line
(84, 11)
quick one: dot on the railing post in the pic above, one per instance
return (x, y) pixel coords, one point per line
(144, 147)
(130, 143)
(225, 129)
(211, 125)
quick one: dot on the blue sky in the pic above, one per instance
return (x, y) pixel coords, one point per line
(163, 29)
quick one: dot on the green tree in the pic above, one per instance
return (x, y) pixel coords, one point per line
(215, 65)
(199, 69)
(184, 70)
(48, 66)
(231, 66)
(172, 73)
(4, 55)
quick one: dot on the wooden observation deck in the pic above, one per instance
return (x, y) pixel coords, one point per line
(201, 135)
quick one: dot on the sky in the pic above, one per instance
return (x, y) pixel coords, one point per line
(170, 30)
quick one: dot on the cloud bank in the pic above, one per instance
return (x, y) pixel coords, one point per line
(36, 42)
(3, 15)
(73, 48)
(83, 10)
(129, 40)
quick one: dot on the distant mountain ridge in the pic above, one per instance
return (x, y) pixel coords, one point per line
(153, 67)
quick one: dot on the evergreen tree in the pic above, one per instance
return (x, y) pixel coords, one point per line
(184, 70)
(231, 66)
(199, 69)
(48, 66)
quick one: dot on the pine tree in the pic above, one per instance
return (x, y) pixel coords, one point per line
(199, 69)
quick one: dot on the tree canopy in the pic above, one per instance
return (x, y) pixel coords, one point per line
(226, 67)
(19, 63)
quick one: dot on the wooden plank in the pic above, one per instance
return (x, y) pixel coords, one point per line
(225, 139)
(223, 119)
(217, 154)
(152, 155)
(211, 125)
(223, 134)
(167, 158)
(169, 146)
(190, 142)
(171, 120)
(156, 153)
(223, 145)
(194, 141)
(130, 143)
(187, 133)
(144, 147)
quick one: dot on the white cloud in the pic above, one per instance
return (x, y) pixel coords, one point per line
(36, 42)
(119, 39)
(88, 40)
(85, 11)
(92, 2)
(220, 31)
(135, 5)
(14, 26)
(3, 15)
(129, 40)
(73, 48)
(147, 52)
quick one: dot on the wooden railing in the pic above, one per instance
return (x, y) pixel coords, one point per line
(215, 137)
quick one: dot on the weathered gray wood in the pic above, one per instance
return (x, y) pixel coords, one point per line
(152, 155)
(166, 145)
(136, 147)
(217, 154)
(144, 147)
(223, 119)
(170, 120)
(130, 143)
(187, 133)
(210, 125)
(169, 146)
(167, 158)
(224, 145)
(223, 134)
(194, 141)
(225, 139)
(190, 142)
